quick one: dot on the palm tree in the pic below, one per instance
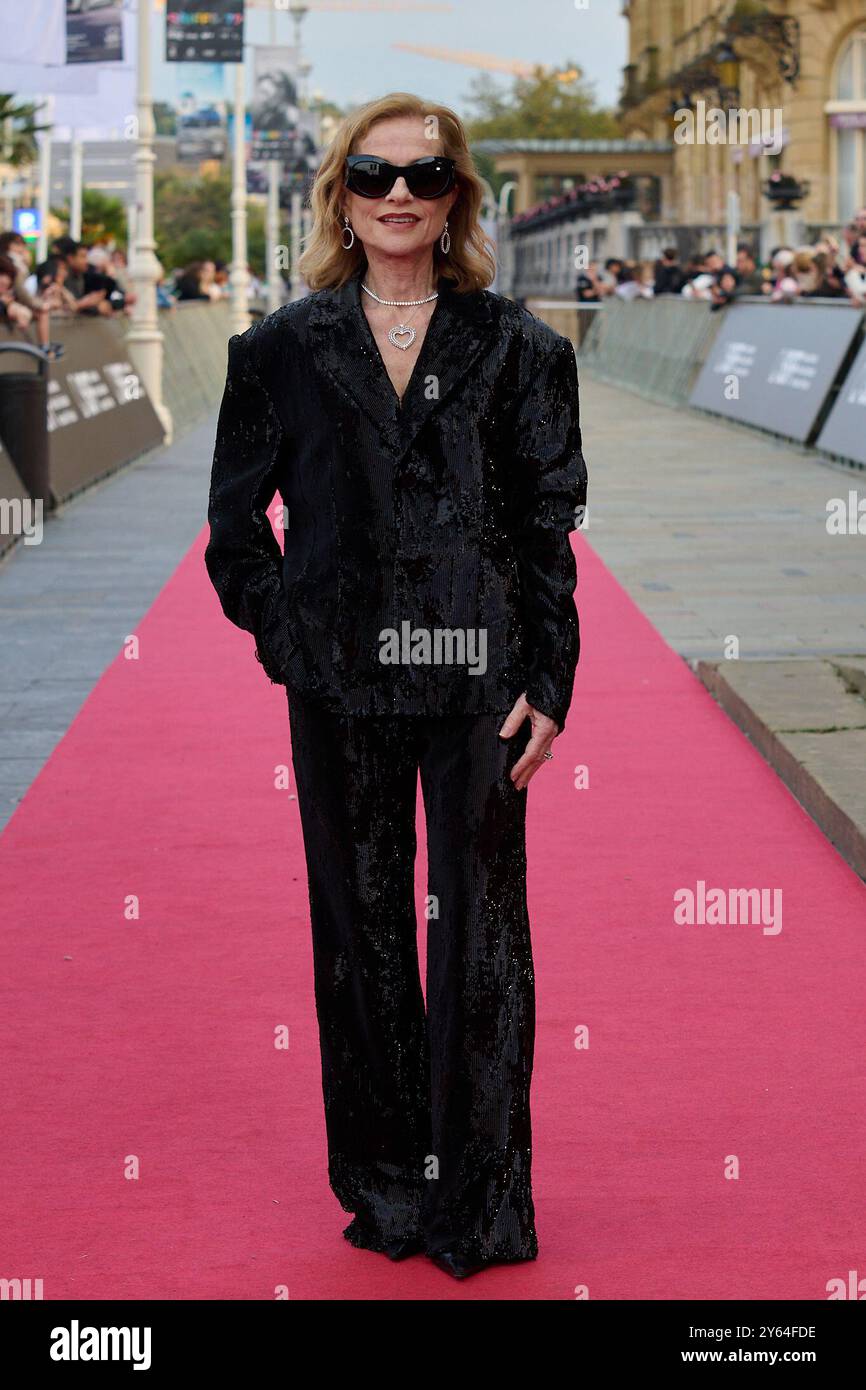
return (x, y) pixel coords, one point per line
(18, 130)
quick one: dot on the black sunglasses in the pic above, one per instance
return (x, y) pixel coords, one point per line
(369, 177)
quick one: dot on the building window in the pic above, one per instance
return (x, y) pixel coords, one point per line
(847, 112)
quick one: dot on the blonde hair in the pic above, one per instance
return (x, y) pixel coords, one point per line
(470, 263)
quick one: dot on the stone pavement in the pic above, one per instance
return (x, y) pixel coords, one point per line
(718, 531)
(67, 605)
(719, 535)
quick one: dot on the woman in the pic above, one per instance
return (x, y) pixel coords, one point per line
(423, 434)
(198, 281)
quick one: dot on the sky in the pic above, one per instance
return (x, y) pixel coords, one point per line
(354, 59)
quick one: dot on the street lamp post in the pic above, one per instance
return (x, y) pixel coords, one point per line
(272, 220)
(145, 336)
(76, 180)
(239, 275)
(45, 178)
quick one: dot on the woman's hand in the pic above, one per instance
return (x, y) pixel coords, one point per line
(544, 731)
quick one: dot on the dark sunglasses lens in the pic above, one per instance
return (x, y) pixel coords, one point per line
(372, 179)
(429, 180)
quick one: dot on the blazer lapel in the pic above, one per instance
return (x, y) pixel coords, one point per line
(343, 347)
(458, 332)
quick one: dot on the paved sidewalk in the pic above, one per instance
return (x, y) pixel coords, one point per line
(67, 605)
(718, 531)
(719, 535)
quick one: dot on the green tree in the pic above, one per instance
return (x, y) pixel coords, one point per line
(19, 126)
(164, 118)
(545, 106)
(193, 221)
(101, 217)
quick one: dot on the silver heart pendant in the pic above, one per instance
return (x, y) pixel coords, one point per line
(401, 331)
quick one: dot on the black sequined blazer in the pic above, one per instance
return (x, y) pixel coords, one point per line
(446, 513)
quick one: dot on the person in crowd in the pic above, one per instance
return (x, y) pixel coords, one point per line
(587, 288)
(50, 278)
(164, 298)
(827, 256)
(13, 314)
(255, 288)
(854, 231)
(855, 275)
(725, 285)
(633, 282)
(713, 263)
(669, 274)
(693, 267)
(38, 304)
(750, 277)
(700, 285)
(609, 278)
(198, 281)
(90, 289)
(781, 260)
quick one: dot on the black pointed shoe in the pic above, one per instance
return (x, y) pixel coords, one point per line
(364, 1237)
(459, 1266)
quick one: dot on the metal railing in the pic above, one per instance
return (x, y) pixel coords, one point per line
(653, 347)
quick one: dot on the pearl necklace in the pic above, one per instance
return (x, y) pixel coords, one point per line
(401, 330)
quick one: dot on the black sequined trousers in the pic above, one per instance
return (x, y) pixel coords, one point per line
(427, 1112)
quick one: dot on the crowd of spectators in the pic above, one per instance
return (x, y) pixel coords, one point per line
(827, 270)
(73, 279)
(90, 280)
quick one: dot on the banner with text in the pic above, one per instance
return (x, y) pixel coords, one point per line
(208, 33)
(774, 365)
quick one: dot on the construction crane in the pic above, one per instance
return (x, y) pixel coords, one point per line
(301, 7)
(487, 61)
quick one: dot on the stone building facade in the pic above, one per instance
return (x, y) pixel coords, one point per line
(799, 68)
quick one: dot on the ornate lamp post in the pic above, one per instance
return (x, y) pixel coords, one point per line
(145, 336)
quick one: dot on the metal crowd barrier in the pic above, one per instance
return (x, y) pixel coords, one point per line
(195, 352)
(655, 347)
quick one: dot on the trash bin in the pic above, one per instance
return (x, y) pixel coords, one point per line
(24, 421)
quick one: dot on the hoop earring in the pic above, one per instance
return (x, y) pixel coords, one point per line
(347, 245)
(445, 239)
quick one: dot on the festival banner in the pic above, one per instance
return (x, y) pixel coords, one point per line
(213, 32)
(94, 31)
(280, 129)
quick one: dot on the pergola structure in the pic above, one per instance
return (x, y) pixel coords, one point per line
(535, 165)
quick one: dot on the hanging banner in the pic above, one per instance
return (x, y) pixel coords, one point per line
(213, 32)
(107, 115)
(32, 80)
(34, 31)
(94, 31)
(281, 130)
(198, 106)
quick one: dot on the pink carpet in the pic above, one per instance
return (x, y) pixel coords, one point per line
(150, 1041)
